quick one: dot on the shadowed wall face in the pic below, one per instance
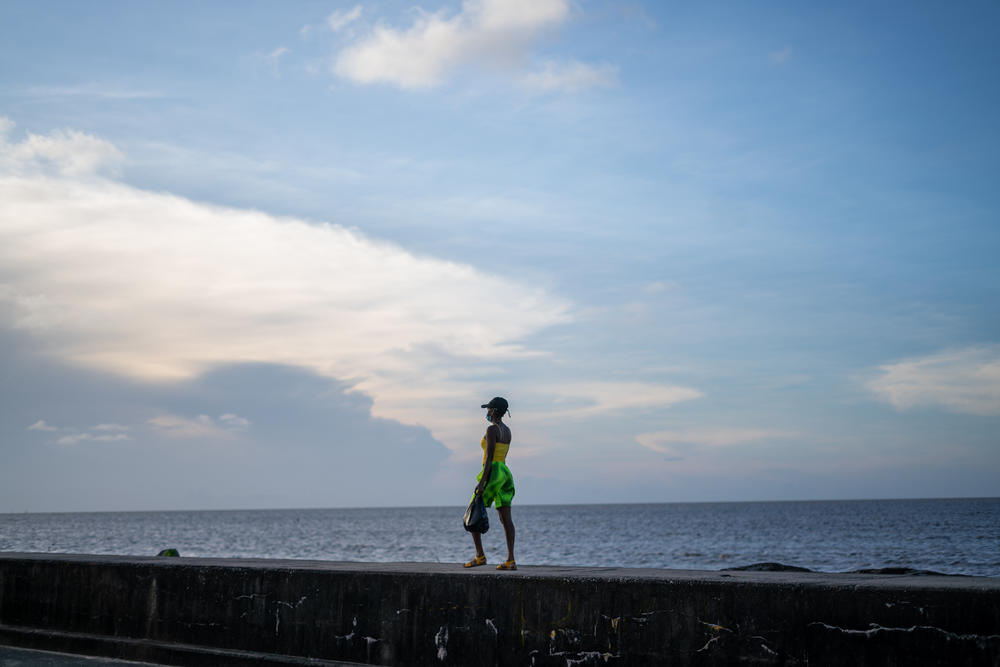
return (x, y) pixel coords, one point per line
(201, 611)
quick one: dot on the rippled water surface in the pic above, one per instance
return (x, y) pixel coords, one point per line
(951, 536)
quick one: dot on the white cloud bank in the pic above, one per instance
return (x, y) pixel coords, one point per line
(496, 34)
(158, 287)
(965, 381)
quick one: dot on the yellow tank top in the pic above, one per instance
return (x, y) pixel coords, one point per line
(499, 451)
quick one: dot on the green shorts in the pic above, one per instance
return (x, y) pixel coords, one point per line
(500, 487)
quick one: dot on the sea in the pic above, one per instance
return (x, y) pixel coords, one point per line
(949, 536)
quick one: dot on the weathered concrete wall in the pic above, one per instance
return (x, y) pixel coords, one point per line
(221, 611)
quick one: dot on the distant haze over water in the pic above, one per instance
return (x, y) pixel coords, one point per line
(953, 536)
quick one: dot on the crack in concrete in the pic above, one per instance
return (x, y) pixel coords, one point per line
(252, 597)
(708, 644)
(764, 644)
(277, 610)
(875, 629)
(714, 627)
(578, 657)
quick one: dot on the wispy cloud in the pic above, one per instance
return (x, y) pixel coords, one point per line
(592, 398)
(76, 438)
(666, 442)
(338, 20)
(235, 422)
(199, 428)
(964, 380)
(571, 77)
(111, 427)
(780, 57)
(659, 287)
(95, 91)
(272, 59)
(40, 425)
(99, 433)
(497, 34)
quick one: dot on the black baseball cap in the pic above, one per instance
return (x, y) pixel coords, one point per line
(497, 403)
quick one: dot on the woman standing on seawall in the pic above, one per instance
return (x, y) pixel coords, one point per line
(496, 484)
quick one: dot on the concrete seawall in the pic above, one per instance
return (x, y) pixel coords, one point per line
(232, 611)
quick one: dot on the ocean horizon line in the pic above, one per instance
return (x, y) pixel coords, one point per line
(459, 505)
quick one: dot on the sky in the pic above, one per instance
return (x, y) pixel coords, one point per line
(276, 255)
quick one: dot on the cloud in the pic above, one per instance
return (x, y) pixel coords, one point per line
(493, 33)
(780, 57)
(40, 425)
(157, 287)
(571, 77)
(234, 422)
(659, 287)
(90, 437)
(201, 427)
(100, 433)
(665, 442)
(104, 433)
(964, 380)
(111, 427)
(273, 59)
(340, 19)
(592, 398)
(96, 91)
(63, 152)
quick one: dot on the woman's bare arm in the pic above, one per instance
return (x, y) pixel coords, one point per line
(491, 445)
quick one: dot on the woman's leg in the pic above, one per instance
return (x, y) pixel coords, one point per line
(478, 539)
(508, 529)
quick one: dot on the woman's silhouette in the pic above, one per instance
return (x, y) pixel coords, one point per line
(496, 484)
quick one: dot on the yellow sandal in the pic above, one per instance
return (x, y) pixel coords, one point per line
(507, 565)
(476, 562)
